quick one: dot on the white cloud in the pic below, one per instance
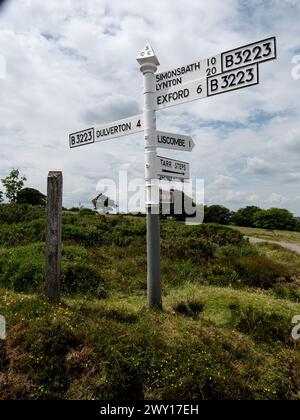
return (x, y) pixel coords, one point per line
(73, 63)
(276, 198)
(258, 166)
(224, 182)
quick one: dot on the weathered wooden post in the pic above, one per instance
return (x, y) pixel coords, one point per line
(53, 236)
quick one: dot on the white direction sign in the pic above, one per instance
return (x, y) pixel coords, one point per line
(113, 130)
(181, 94)
(174, 141)
(221, 83)
(257, 52)
(170, 168)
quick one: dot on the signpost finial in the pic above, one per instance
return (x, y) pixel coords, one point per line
(147, 55)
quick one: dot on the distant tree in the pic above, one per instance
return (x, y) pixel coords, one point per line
(275, 218)
(13, 184)
(1, 196)
(245, 216)
(31, 196)
(297, 225)
(217, 214)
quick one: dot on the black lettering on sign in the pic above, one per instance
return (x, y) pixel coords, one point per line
(172, 141)
(81, 138)
(258, 52)
(173, 96)
(233, 80)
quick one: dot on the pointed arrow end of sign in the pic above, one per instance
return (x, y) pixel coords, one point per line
(147, 55)
(192, 144)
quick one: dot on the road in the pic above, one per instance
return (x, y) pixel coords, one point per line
(287, 245)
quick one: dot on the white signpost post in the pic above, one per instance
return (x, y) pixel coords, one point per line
(222, 73)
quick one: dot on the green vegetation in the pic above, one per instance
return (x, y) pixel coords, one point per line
(224, 333)
(252, 217)
(271, 234)
(274, 219)
(217, 214)
(13, 184)
(31, 196)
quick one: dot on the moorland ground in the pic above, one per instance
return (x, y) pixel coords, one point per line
(224, 332)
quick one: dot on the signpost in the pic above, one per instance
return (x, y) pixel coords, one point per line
(222, 73)
(200, 89)
(105, 132)
(171, 168)
(174, 141)
(256, 52)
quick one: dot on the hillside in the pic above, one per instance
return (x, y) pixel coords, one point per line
(224, 333)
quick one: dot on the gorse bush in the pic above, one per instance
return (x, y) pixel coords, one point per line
(22, 233)
(22, 270)
(81, 278)
(188, 247)
(265, 328)
(219, 235)
(221, 275)
(260, 272)
(191, 308)
(17, 213)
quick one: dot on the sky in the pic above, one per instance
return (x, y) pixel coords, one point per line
(71, 64)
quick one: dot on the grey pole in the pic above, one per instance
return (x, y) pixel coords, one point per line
(149, 62)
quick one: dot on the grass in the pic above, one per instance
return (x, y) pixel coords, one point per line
(90, 349)
(224, 332)
(273, 235)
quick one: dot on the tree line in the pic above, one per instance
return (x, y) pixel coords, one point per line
(250, 216)
(17, 194)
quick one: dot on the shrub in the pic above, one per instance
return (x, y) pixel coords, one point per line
(219, 235)
(17, 213)
(287, 291)
(87, 212)
(265, 328)
(32, 197)
(245, 216)
(28, 277)
(22, 233)
(126, 233)
(245, 249)
(221, 275)
(260, 272)
(121, 315)
(88, 236)
(188, 247)
(274, 219)
(191, 308)
(22, 269)
(217, 214)
(81, 278)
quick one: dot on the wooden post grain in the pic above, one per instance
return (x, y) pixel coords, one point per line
(53, 236)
